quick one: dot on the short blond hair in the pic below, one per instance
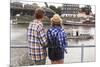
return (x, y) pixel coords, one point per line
(56, 19)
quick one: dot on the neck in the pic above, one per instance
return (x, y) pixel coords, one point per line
(57, 25)
(39, 19)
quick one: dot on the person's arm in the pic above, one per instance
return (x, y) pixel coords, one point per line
(29, 33)
(42, 35)
(62, 37)
(63, 40)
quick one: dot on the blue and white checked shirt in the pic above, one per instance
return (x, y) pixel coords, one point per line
(56, 37)
(36, 38)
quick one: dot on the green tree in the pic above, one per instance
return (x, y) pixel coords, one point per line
(58, 10)
(52, 7)
(86, 9)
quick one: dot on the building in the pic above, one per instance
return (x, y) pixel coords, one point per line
(70, 9)
(27, 9)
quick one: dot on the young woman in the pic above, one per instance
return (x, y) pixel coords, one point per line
(37, 38)
(56, 38)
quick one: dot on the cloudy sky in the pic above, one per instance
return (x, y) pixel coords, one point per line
(58, 2)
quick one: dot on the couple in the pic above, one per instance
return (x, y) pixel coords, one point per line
(54, 39)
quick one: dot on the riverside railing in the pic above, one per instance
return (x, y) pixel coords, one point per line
(81, 46)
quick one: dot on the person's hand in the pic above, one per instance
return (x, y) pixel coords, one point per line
(45, 46)
(65, 49)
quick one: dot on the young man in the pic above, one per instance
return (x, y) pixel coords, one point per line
(37, 38)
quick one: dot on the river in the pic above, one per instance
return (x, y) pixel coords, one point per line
(19, 31)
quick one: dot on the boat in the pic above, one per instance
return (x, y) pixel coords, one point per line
(81, 36)
(78, 24)
(86, 22)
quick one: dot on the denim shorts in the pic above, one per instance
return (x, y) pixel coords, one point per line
(56, 53)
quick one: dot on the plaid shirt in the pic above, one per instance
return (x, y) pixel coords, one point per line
(56, 37)
(36, 37)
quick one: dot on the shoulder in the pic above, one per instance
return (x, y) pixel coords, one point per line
(33, 25)
(30, 25)
(39, 26)
(50, 29)
(62, 31)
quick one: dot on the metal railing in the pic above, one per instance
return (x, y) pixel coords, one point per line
(81, 46)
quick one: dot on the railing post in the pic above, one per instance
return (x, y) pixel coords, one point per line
(82, 53)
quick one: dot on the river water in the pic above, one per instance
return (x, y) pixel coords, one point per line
(19, 31)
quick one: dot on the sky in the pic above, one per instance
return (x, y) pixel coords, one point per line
(92, 2)
(58, 2)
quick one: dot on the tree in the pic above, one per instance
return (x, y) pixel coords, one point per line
(52, 7)
(58, 10)
(16, 8)
(86, 9)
